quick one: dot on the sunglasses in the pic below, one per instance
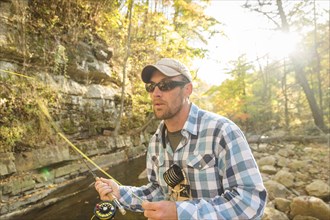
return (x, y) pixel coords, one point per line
(164, 85)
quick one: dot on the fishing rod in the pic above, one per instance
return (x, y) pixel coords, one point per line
(103, 210)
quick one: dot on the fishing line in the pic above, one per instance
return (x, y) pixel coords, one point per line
(102, 205)
(17, 74)
(44, 110)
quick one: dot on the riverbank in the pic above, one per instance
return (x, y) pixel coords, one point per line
(296, 177)
(33, 175)
(77, 199)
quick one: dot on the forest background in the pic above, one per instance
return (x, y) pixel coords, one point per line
(262, 95)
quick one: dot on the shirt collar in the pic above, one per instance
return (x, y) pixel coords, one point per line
(191, 125)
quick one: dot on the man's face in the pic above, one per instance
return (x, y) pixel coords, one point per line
(166, 104)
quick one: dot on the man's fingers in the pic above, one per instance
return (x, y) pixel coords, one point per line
(148, 213)
(105, 190)
(150, 209)
(109, 181)
(160, 210)
(146, 205)
(150, 205)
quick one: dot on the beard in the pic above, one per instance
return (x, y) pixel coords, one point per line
(168, 113)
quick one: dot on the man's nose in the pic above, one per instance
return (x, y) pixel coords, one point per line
(157, 92)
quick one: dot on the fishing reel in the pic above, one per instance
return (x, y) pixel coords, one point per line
(178, 184)
(105, 210)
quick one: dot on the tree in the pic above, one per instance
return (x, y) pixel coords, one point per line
(296, 58)
(232, 98)
(154, 35)
(127, 55)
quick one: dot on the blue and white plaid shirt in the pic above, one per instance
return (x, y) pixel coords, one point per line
(222, 173)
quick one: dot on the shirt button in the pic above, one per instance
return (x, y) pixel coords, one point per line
(200, 166)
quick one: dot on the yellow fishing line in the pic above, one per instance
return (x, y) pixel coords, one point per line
(87, 158)
(18, 74)
(44, 110)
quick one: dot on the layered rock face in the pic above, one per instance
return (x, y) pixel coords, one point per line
(82, 75)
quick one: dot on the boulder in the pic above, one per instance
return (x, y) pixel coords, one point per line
(268, 169)
(276, 190)
(300, 217)
(296, 165)
(309, 206)
(318, 188)
(284, 177)
(273, 214)
(268, 160)
(282, 204)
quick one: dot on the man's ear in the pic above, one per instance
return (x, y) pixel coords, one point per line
(188, 89)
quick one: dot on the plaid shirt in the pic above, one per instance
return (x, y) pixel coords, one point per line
(223, 176)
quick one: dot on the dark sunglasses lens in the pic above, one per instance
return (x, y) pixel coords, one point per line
(165, 86)
(150, 87)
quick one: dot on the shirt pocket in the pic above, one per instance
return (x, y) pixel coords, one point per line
(203, 175)
(201, 161)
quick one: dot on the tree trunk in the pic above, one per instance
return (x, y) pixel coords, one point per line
(301, 76)
(302, 80)
(286, 99)
(128, 44)
(318, 63)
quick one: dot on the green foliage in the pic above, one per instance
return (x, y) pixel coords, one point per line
(68, 126)
(233, 96)
(141, 107)
(22, 124)
(299, 84)
(60, 61)
(56, 24)
(154, 34)
(254, 99)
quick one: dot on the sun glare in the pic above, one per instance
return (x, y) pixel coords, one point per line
(280, 45)
(246, 34)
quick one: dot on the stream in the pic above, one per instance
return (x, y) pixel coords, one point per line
(81, 205)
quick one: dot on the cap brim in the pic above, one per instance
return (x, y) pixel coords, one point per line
(149, 69)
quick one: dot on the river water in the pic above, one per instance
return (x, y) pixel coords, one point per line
(81, 206)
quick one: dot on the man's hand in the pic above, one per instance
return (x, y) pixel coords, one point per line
(106, 187)
(160, 210)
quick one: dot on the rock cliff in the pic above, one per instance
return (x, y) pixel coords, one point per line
(88, 89)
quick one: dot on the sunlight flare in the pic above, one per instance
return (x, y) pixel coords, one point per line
(281, 44)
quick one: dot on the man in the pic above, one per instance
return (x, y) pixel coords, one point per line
(199, 164)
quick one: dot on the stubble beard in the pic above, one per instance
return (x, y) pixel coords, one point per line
(168, 114)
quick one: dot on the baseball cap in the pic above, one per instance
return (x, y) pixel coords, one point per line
(167, 66)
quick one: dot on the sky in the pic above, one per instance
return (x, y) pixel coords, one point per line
(246, 33)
